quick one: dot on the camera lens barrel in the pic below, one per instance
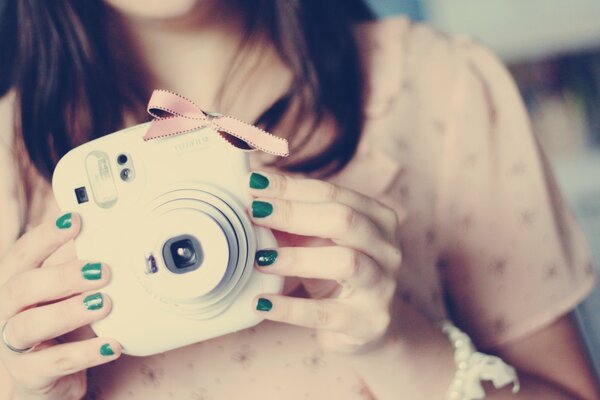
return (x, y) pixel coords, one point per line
(204, 251)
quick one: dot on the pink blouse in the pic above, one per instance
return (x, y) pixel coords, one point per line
(487, 239)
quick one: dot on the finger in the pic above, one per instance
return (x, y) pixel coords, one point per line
(39, 243)
(68, 358)
(321, 314)
(273, 185)
(325, 314)
(342, 264)
(338, 222)
(39, 324)
(50, 283)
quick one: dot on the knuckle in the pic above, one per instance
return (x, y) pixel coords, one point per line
(285, 311)
(393, 220)
(332, 192)
(285, 211)
(393, 257)
(353, 263)
(289, 260)
(280, 184)
(63, 311)
(388, 214)
(397, 256)
(346, 218)
(72, 314)
(351, 218)
(63, 317)
(323, 314)
(66, 279)
(396, 226)
(65, 365)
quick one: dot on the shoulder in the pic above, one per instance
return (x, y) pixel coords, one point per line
(415, 62)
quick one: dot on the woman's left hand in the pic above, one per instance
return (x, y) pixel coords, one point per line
(359, 255)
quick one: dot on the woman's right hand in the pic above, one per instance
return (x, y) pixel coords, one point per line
(39, 305)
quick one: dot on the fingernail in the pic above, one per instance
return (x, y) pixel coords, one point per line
(65, 221)
(93, 301)
(106, 350)
(92, 271)
(266, 257)
(264, 304)
(258, 181)
(261, 209)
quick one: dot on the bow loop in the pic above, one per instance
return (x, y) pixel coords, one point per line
(165, 104)
(176, 115)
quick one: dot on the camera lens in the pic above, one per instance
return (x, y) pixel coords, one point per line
(182, 254)
(122, 159)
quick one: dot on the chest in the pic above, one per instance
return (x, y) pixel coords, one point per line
(268, 361)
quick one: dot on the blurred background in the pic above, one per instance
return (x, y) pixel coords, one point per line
(552, 48)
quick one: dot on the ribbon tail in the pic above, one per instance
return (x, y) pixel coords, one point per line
(252, 135)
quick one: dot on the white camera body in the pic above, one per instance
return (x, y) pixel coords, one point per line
(168, 216)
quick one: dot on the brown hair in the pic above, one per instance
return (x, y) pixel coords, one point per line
(71, 85)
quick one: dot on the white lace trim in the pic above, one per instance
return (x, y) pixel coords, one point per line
(474, 367)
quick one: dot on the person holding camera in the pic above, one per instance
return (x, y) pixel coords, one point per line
(423, 241)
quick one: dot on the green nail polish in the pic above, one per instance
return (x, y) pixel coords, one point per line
(92, 271)
(264, 305)
(258, 181)
(65, 221)
(93, 301)
(106, 350)
(265, 257)
(261, 209)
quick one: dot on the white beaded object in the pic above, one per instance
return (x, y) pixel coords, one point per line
(474, 367)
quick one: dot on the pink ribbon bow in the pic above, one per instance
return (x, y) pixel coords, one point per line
(183, 116)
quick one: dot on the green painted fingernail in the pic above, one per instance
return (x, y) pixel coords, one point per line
(93, 301)
(264, 305)
(258, 181)
(92, 271)
(65, 221)
(106, 350)
(265, 257)
(261, 209)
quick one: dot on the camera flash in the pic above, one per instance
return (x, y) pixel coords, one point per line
(101, 180)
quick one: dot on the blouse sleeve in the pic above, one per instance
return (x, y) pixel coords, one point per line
(513, 259)
(10, 217)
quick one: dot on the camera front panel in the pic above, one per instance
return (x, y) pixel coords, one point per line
(168, 216)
